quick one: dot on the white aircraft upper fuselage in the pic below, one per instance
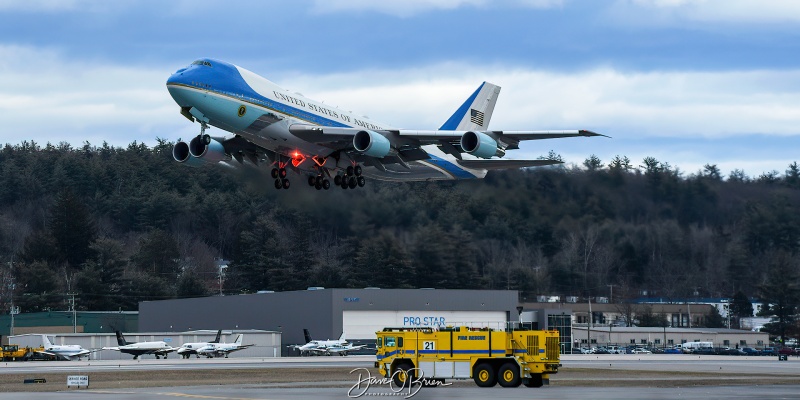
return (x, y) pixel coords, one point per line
(288, 130)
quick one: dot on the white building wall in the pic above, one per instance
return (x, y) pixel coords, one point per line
(364, 324)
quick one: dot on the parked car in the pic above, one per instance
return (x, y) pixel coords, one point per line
(751, 351)
(615, 350)
(673, 351)
(769, 351)
(788, 351)
(735, 352)
(705, 351)
(640, 350)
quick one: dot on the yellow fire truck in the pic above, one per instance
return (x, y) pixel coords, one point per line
(488, 356)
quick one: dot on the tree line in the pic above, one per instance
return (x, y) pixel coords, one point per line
(119, 225)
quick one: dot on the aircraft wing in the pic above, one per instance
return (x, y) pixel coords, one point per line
(341, 137)
(505, 164)
(110, 348)
(165, 351)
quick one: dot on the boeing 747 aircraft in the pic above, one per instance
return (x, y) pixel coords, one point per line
(267, 124)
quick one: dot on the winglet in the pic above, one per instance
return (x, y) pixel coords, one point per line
(587, 133)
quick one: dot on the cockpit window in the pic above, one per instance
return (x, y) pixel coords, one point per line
(201, 62)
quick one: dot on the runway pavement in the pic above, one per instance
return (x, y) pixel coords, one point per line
(582, 377)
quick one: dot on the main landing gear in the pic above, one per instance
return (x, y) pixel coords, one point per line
(319, 182)
(351, 179)
(279, 174)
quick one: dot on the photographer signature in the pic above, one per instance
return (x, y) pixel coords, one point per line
(408, 389)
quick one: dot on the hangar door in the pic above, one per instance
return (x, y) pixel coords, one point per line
(364, 324)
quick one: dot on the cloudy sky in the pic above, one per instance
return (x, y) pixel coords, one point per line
(689, 82)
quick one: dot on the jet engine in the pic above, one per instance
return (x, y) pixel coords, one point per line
(372, 144)
(481, 145)
(207, 149)
(180, 152)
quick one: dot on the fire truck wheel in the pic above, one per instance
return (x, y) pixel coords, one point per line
(534, 381)
(508, 376)
(484, 375)
(403, 375)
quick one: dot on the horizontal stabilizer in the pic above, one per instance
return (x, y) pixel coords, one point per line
(505, 164)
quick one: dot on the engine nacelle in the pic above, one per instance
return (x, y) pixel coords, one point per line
(481, 145)
(372, 144)
(209, 152)
(180, 152)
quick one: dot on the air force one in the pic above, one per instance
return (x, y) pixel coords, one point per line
(270, 125)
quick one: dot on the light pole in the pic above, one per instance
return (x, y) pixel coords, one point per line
(14, 311)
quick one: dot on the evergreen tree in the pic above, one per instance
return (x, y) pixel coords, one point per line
(158, 255)
(100, 282)
(72, 228)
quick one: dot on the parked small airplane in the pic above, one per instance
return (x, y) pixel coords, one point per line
(223, 349)
(158, 349)
(187, 349)
(67, 351)
(325, 347)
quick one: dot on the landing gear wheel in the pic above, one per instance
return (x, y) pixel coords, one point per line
(206, 139)
(285, 183)
(352, 182)
(326, 184)
(508, 376)
(361, 181)
(337, 180)
(319, 180)
(357, 170)
(278, 184)
(350, 170)
(317, 186)
(484, 375)
(344, 184)
(403, 375)
(311, 180)
(282, 173)
(534, 381)
(274, 173)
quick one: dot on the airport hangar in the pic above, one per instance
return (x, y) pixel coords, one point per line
(326, 313)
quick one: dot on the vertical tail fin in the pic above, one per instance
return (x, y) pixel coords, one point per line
(121, 339)
(475, 113)
(239, 339)
(216, 340)
(307, 335)
(341, 338)
(46, 341)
